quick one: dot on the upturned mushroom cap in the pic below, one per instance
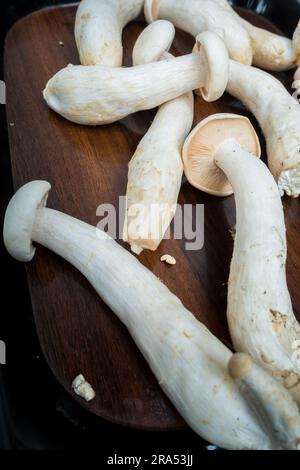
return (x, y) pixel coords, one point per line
(153, 42)
(201, 145)
(217, 65)
(20, 216)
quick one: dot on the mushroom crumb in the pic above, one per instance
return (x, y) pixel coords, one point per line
(60, 43)
(232, 233)
(168, 259)
(82, 388)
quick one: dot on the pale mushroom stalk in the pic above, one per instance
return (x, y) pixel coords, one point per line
(259, 310)
(195, 16)
(260, 313)
(278, 114)
(155, 170)
(273, 403)
(246, 43)
(188, 361)
(100, 95)
(270, 51)
(98, 29)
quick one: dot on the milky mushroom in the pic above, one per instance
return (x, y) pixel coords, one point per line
(270, 51)
(279, 117)
(260, 313)
(272, 402)
(195, 16)
(200, 147)
(246, 43)
(187, 360)
(98, 29)
(153, 43)
(100, 95)
(155, 170)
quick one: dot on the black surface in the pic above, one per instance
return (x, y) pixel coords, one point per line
(35, 412)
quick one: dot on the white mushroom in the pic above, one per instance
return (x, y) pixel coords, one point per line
(270, 51)
(278, 114)
(82, 388)
(155, 170)
(260, 314)
(244, 41)
(188, 361)
(153, 43)
(101, 95)
(194, 17)
(272, 402)
(202, 143)
(98, 29)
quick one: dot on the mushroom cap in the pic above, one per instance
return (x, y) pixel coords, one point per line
(151, 10)
(201, 145)
(153, 42)
(217, 64)
(19, 219)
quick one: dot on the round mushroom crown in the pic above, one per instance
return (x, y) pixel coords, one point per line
(200, 148)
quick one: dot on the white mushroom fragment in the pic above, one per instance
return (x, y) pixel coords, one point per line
(260, 313)
(100, 95)
(155, 170)
(278, 114)
(82, 388)
(168, 259)
(246, 43)
(188, 361)
(98, 29)
(272, 402)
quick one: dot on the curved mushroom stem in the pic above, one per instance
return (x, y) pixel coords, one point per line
(155, 170)
(260, 314)
(244, 41)
(272, 402)
(270, 51)
(188, 361)
(195, 17)
(279, 117)
(98, 29)
(100, 95)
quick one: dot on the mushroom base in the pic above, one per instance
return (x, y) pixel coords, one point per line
(289, 182)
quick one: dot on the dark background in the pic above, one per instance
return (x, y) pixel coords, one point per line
(35, 412)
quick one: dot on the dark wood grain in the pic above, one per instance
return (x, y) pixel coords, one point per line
(87, 167)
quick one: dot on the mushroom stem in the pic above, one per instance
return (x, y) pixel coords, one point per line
(270, 51)
(188, 361)
(155, 175)
(155, 170)
(98, 29)
(260, 314)
(246, 43)
(278, 114)
(275, 406)
(101, 95)
(195, 17)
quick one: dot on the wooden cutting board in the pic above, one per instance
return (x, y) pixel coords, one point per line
(88, 166)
